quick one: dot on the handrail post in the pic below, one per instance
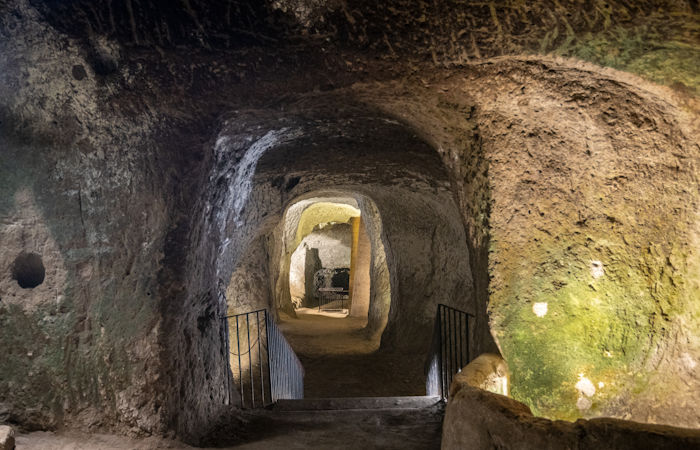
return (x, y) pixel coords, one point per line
(267, 340)
(240, 369)
(285, 373)
(449, 352)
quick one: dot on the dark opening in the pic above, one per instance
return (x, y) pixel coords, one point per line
(28, 270)
(341, 278)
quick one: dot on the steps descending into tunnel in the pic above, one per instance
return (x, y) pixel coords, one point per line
(348, 423)
(356, 403)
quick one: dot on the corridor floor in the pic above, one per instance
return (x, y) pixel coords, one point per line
(404, 429)
(341, 361)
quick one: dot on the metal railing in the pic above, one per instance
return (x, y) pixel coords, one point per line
(263, 365)
(286, 371)
(333, 296)
(449, 351)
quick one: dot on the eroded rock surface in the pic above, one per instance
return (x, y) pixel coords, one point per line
(479, 419)
(146, 152)
(7, 437)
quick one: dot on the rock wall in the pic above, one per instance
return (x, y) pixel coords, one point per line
(521, 190)
(428, 263)
(141, 173)
(82, 189)
(602, 205)
(249, 288)
(479, 419)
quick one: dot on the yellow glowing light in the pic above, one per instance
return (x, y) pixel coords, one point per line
(601, 385)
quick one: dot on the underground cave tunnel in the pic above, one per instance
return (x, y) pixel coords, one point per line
(386, 210)
(281, 223)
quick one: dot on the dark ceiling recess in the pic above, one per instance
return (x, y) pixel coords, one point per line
(165, 23)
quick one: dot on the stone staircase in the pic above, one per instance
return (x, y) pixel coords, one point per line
(348, 423)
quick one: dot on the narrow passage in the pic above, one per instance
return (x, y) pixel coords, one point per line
(340, 360)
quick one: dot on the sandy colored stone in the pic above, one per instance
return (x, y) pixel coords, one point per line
(7, 437)
(487, 371)
(148, 154)
(478, 419)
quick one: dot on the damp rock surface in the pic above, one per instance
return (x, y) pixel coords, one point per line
(148, 152)
(479, 419)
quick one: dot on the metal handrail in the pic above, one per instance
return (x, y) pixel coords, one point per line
(287, 373)
(265, 369)
(449, 351)
(330, 295)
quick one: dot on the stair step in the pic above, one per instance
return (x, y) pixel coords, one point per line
(355, 403)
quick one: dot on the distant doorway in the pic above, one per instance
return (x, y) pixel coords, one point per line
(329, 269)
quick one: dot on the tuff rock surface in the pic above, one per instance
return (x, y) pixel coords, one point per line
(147, 151)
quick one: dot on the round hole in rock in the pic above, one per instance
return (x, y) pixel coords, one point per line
(28, 270)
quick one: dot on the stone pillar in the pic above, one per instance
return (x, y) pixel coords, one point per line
(312, 264)
(359, 270)
(355, 223)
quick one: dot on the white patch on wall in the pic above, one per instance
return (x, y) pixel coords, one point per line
(584, 386)
(597, 269)
(540, 309)
(585, 389)
(584, 403)
(688, 361)
(241, 186)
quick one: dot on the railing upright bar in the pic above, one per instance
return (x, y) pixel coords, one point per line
(466, 319)
(267, 341)
(278, 357)
(274, 370)
(458, 338)
(240, 370)
(271, 352)
(449, 351)
(286, 379)
(444, 354)
(229, 373)
(280, 372)
(279, 363)
(439, 349)
(454, 344)
(260, 359)
(289, 379)
(250, 363)
(455, 318)
(451, 347)
(461, 342)
(463, 351)
(434, 361)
